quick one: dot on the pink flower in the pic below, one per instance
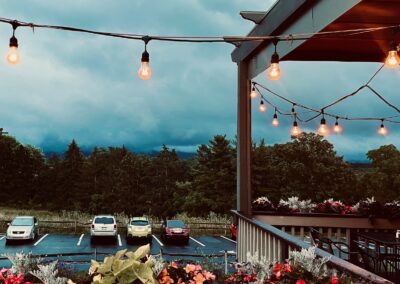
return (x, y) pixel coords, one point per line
(197, 267)
(208, 275)
(190, 268)
(199, 278)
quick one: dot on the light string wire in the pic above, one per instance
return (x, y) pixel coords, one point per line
(321, 111)
(203, 39)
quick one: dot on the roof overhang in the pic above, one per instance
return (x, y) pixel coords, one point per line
(305, 16)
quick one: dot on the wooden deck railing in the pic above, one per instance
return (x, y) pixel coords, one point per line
(257, 237)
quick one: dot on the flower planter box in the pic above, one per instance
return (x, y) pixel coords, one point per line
(349, 221)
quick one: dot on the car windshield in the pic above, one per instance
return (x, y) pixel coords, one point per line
(104, 220)
(22, 222)
(139, 222)
(176, 224)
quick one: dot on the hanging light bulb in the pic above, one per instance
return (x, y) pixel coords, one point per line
(337, 128)
(275, 121)
(145, 71)
(253, 93)
(274, 72)
(323, 128)
(262, 106)
(295, 131)
(392, 60)
(13, 54)
(382, 130)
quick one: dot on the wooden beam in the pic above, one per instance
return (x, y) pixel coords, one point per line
(314, 19)
(243, 187)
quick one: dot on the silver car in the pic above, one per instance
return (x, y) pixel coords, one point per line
(103, 226)
(22, 228)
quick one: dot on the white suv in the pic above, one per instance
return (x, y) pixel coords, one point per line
(103, 226)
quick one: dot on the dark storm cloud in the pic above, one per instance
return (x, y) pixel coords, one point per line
(72, 85)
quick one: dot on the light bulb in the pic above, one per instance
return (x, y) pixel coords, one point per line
(262, 106)
(13, 54)
(392, 60)
(253, 93)
(274, 72)
(296, 130)
(275, 121)
(323, 129)
(382, 130)
(144, 71)
(337, 128)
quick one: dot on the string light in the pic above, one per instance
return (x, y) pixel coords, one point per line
(337, 128)
(392, 60)
(323, 129)
(275, 121)
(293, 111)
(274, 72)
(145, 71)
(262, 106)
(296, 130)
(13, 54)
(382, 130)
(253, 93)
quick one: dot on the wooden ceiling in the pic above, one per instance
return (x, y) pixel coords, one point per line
(364, 47)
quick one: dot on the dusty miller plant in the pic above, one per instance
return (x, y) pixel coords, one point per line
(158, 264)
(23, 263)
(297, 205)
(259, 266)
(308, 260)
(48, 274)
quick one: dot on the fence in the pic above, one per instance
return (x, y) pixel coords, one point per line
(257, 237)
(75, 226)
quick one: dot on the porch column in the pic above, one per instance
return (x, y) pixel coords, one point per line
(244, 140)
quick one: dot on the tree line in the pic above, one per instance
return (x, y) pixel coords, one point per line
(115, 179)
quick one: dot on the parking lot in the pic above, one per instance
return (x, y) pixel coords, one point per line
(75, 244)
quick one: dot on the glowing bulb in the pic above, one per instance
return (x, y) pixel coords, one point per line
(274, 72)
(262, 106)
(295, 131)
(392, 60)
(275, 121)
(253, 93)
(13, 54)
(323, 128)
(382, 130)
(144, 71)
(337, 128)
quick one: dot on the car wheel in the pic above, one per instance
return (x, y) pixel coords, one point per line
(7, 241)
(186, 241)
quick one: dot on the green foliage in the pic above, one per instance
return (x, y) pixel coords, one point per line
(383, 181)
(125, 267)
(306, 167)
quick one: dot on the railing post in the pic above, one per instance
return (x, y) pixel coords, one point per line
(95, 254)
(353, 246)
(226, 261)
(75, 226)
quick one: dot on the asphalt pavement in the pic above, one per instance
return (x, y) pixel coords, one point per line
(59, 244)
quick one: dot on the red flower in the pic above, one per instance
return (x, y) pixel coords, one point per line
(277, 270)
(335, 280)
(287, 268)
(301, 281)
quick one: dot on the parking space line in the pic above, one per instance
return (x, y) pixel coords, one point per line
(2, 237)
(119, 240)
(228, 239)
(193, 239)
(80, 240)
(41, 239)
(158, 241)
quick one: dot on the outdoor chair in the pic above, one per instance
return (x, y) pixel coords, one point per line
(328, 245)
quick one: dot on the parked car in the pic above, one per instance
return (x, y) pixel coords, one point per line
(175, 230)
(138, 227)
(103, 226)
(22, 228)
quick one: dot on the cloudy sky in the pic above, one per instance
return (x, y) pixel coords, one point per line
(71, 85)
